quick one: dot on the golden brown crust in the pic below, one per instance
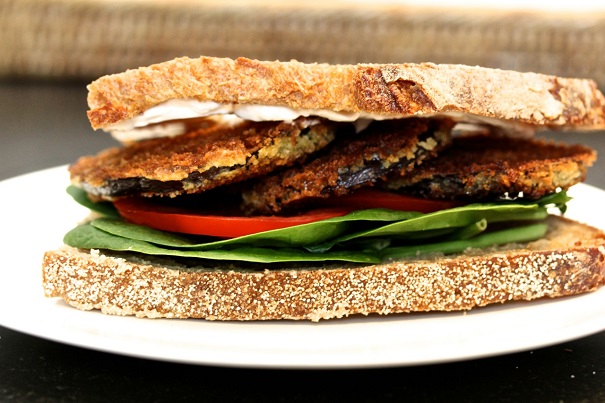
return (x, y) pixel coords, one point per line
(200, 160)
(502, 94)
(120, 96)
(570, 260)
(390, 89)
(482, 167)
(385, 147)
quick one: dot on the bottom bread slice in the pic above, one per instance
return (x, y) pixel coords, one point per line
(569, 260)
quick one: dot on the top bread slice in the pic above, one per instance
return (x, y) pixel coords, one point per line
(395, 90)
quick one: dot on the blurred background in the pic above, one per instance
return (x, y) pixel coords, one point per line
(84, 39)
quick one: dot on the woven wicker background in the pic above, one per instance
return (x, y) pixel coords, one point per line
(83, 39)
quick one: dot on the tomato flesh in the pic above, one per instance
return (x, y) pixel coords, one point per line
(188, 221)
(143, 212)
(373, 198)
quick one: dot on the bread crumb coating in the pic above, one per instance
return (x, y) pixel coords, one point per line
(483, 168)
(200, 160)
(385, 147)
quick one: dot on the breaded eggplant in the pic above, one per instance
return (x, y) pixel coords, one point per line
(200, 160)
(484, 168)
(349, 163)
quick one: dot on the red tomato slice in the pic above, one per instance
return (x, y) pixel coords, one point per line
(144, 212)
(159, 216)
(374, 198)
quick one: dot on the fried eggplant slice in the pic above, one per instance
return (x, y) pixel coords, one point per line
(349, 163)
(484, 168)
(200, 160)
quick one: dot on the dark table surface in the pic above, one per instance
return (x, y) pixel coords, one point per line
(44, 125)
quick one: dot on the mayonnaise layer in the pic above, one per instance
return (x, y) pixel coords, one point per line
(166, 119)
(147, 124)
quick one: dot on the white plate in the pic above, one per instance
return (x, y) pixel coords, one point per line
(37, 212)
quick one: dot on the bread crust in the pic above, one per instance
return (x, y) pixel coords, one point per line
(570, 260)
(386, 89)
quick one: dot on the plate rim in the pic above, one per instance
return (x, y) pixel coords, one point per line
(64, 314)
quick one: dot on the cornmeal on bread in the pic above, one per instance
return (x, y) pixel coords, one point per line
(568, 261)
(265, 190)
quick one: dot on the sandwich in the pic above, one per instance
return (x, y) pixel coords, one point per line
(255, 190)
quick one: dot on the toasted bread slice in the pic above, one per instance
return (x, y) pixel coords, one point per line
(386, 89)
(569, 260)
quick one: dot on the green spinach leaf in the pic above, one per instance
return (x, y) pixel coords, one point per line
(80, 196)
(90, 237)
(451, 220)
(300, 235)
(524, 233)
(364, 236)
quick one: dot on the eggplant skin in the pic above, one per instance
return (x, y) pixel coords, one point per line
(200, 160)
(488, 167)
(384, 148)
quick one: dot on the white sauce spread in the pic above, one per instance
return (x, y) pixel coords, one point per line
(146, 125)
(149, 123)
